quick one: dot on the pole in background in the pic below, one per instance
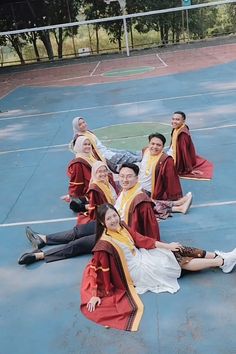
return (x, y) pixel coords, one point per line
(72, 37)
(122, 6)
(186, 3)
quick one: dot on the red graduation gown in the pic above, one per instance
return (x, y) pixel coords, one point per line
(95, 197)
(141, 217)
(106, 276)
(188, 163)
(167, 184)
(79, 172)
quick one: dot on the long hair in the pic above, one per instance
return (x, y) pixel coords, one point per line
(100, 216)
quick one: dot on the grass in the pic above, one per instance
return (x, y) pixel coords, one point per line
(131, 136)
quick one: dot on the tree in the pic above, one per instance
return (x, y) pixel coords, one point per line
(200, 20)
(94, 9)
(8, 22)
(163, 24)
(114, 28)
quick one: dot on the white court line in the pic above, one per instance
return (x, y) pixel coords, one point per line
(92, 73)
(33, 149)
(212, 128)
(119, 104)
(206, 205)
(48, 221)
(114, 139)
(161, 60)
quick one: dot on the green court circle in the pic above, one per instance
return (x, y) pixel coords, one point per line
(131, 136)
(128, 72)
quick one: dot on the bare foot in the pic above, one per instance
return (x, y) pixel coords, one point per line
(187, 204)
(182, 200)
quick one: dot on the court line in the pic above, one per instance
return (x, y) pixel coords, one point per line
(161, 60)
(114, 139)
(48, 221)
(97, 65)
(119, 104)
(33, 149)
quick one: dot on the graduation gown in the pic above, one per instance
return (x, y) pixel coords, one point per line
(188, 163)
(79, 172)
(95, 197)
(141, 216)
(167, 184)
(107, 276)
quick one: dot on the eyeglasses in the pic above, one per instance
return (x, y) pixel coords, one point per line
(127, 176)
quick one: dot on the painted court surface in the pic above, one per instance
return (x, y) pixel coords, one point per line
(123, 100)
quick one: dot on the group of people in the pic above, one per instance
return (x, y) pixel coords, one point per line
(118, 222)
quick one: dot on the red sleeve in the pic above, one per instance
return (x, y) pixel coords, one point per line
(144, 221)
(77, 180)
(186, 156)
(95, 199)
(171, 182)
(98, 275)
(141, 241)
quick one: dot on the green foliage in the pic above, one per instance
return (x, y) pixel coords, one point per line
(159, 29)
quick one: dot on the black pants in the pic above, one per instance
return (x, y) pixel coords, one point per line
(80, 240)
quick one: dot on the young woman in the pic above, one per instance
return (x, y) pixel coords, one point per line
(126, 264)
(79, 173)
(102, 189)
(113, 157)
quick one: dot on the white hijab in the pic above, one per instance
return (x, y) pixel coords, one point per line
(78, 148)
(95, 167)
(75, 125)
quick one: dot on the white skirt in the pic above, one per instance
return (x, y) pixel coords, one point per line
(155, 270)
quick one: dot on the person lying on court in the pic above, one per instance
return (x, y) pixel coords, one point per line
(188, 164)
(136, 210)
(114, 157)
(125, 264)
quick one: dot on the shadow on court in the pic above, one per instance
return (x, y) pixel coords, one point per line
(40, 303)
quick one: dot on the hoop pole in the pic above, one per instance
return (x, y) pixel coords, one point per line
(126, 36)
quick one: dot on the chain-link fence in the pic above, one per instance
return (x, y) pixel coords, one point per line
(72, 35)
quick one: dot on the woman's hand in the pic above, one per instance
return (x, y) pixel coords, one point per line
(175, 246)
(91, 305)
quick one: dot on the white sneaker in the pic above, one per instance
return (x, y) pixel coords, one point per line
(226, 254)
(229, 262)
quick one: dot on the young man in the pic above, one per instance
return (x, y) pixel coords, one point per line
(114, 158)
(187, 163)
(158, 175)
(135, 206)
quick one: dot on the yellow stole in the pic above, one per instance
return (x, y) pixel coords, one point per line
(152, 161)
(174, 141)
(89, 158)
(126, 200)
(123, 236)
(129, 281)
(107, 190)
(92, 139)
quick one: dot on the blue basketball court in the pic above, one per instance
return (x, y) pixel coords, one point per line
(40, 303)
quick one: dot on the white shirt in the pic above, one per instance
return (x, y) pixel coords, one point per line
(144, 179)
